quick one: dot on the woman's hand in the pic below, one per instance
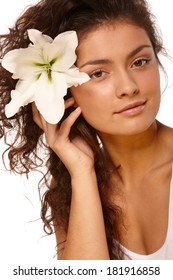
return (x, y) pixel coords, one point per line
(85, 208)
(76, 154)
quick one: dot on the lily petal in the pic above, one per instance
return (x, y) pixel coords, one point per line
(45, 70)
(22, 62)
(65, 44)
(49, 97)
(18, 99)
(37, 38)
(27, 88)
(74, 77)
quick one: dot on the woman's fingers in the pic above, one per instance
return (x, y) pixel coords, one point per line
(56, 135)
(37, 116)
(69, 102)
(53, 133)
(68, 122)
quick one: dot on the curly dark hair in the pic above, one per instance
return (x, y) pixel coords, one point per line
(52, 17)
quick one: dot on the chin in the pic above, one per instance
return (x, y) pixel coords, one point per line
(135, 128)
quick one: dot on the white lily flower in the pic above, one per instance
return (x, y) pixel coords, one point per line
(45, 69)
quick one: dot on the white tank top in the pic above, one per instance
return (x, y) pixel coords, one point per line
(166, 251)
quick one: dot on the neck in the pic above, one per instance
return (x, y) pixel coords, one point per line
(132, 153)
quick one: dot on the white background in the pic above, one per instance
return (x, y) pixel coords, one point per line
(21, 234)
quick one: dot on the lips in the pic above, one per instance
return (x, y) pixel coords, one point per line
(131, 106)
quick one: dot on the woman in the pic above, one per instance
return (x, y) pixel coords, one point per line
(110, 160)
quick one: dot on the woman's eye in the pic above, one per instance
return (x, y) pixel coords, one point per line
(97, 74)
(140, 62)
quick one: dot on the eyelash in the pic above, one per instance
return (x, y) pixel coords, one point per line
(97, 72)
(144, 61)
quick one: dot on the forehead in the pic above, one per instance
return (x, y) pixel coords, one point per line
(114, 38)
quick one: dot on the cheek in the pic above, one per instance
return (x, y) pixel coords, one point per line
(83, 97)
(89, 96)
(94, 104)
(150, 84)
(91, 107)
(154, 88)
(86, 102)
(83, 100)
(153, 93)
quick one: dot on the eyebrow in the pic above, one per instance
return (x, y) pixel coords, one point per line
(108, 61)
(137, 50)
(97, 61)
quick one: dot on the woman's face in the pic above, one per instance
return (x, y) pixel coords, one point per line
(123, 95)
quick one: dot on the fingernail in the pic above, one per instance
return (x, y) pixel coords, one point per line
(77, 109)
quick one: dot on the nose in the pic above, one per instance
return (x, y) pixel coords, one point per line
(126, 85)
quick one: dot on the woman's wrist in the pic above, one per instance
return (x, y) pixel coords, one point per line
(84, 180)
(83, 175)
